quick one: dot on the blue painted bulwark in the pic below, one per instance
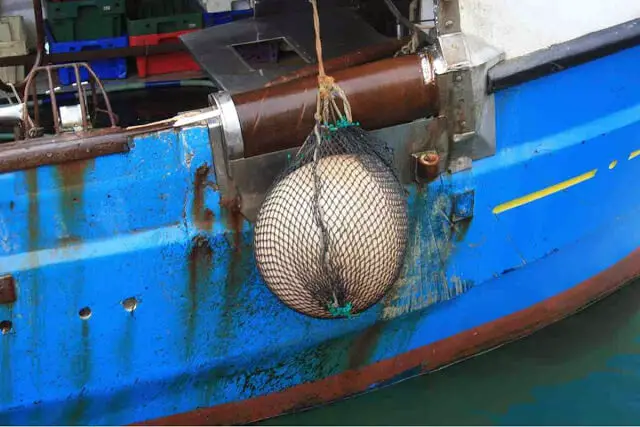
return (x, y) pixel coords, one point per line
(138, 295)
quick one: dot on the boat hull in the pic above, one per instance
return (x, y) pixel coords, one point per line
(544, 227)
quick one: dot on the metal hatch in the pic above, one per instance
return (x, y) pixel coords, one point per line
(215, 48)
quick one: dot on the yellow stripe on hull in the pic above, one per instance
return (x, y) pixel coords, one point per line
(537, 195)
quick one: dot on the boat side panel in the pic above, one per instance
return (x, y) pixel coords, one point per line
(207, 331)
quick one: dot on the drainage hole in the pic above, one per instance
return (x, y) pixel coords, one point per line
(84, 313)
(130, 304)
(6, 326)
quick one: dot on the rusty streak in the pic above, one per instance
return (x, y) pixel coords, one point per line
(426, 358)
(200, 261)
(234, 220)
(72, 185)
(33, 208)
(364, 346)
(7, 289)
(202, 216)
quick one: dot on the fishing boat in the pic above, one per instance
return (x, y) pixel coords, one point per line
(129, 290)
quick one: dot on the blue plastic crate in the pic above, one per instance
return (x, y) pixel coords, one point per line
(211, 19)
(105, 69)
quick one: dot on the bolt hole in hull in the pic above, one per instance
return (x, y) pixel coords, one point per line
(496, 252)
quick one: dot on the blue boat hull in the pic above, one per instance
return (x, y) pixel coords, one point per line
(553, 219)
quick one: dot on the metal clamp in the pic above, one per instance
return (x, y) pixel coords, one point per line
(461, 62)
(230, 124)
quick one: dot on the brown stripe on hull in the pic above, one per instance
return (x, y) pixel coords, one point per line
(427, 358)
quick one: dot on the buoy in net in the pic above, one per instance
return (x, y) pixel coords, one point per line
(330, 236)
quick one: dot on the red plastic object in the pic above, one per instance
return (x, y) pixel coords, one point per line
(165, 62)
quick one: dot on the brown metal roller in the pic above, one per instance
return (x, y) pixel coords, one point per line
(382, 93)
(358, 57)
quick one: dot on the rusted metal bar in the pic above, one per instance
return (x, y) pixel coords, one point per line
(382, 93)
(54, 101)
(39, 21)
(81, 98)
(36, 107)
(107, 103)
(54, 104)
(358, 57)
(61, 149)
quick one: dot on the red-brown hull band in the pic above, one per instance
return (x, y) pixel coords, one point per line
(427, 358)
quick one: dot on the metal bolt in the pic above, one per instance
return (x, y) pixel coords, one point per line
(458, 78)
(463, 123)
(84, 313)
(448, 24)
(130, 304)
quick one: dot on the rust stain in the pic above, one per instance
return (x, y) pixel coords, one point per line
(200, 262)
(202, 216)
(234, 220)
(33, 209)
(72, 185)
(364, 345)
(239, 266)
(7, 289)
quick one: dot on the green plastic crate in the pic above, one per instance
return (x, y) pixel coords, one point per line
(164, 24)
(160, 8)
(86, 19)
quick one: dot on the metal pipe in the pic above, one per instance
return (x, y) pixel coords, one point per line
(358, 57)
(39, 20)
(81, 98)
(382, 93)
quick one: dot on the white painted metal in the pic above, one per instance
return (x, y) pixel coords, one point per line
(522, 26)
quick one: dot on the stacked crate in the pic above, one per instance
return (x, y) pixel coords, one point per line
(13, 42)
(218, 12)
(77, 25)
(153, 22)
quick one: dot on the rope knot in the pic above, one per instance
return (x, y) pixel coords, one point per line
(325, 86)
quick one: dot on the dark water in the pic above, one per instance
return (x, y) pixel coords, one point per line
(583, 370)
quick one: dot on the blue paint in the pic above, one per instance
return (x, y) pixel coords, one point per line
(207, 331)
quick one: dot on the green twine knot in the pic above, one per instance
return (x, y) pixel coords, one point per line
(342, 123)
(337, 311)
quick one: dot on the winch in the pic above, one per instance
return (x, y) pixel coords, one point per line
(437, 95)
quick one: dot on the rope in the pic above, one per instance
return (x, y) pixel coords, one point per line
(327, 110)
(414, 42)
